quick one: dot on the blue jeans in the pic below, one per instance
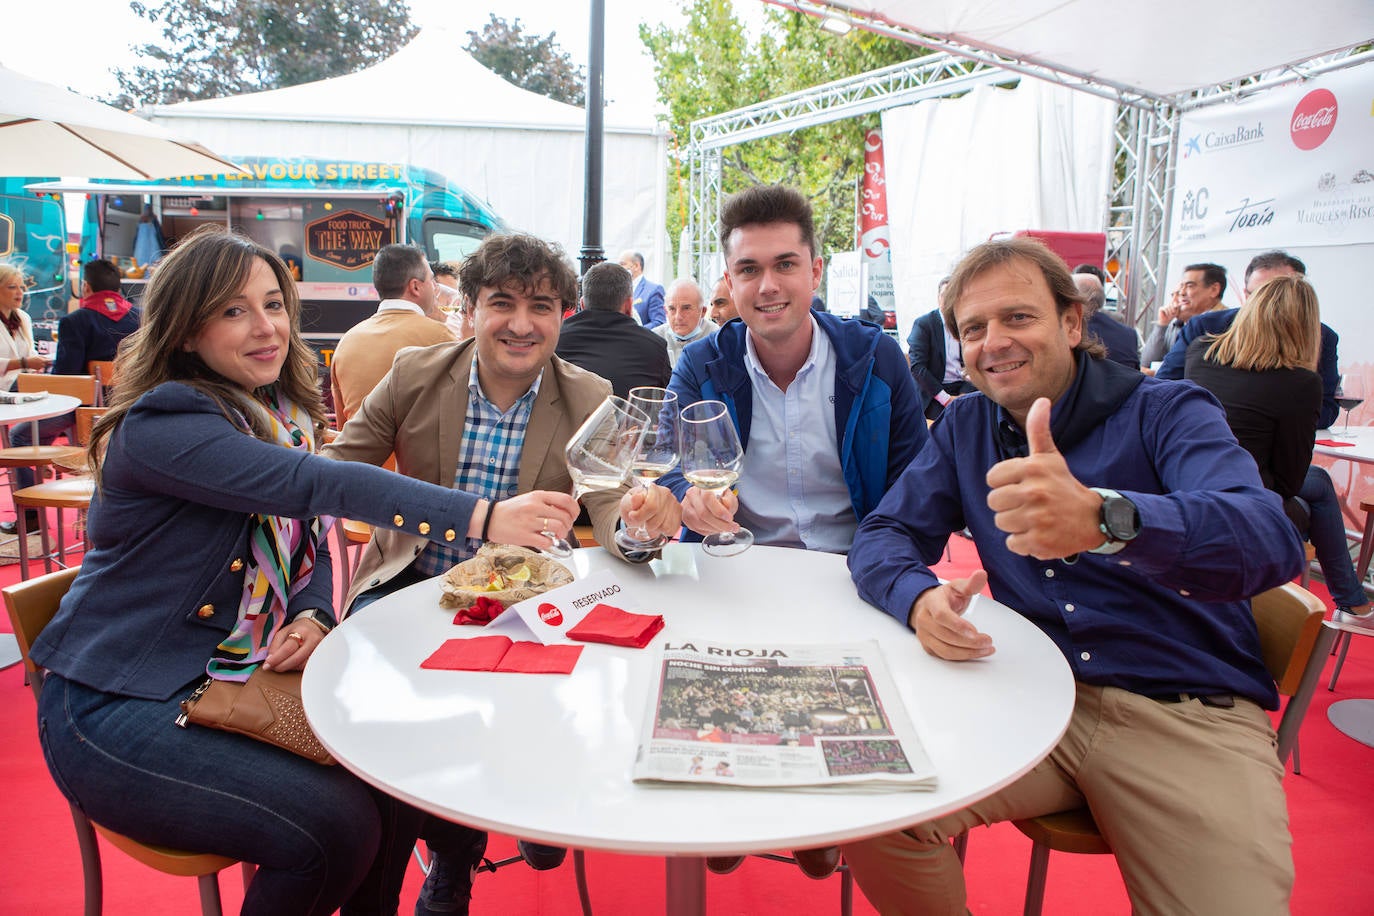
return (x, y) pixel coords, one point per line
(1327, 534)
(48, 431)
(313, 831)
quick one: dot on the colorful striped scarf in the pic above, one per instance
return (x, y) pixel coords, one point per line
(281, 560)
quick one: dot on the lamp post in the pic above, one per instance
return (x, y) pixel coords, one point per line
(592, 252)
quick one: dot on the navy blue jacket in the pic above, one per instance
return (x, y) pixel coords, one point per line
(167, 536)
(925, 352)
(1168, 614)
(1122, 345)
(878, 421)
(648, 303)
(85, 335)
(1328, 364)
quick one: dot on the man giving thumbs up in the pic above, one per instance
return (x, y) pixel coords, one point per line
(1117, 514)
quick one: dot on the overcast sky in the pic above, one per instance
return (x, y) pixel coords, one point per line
(74, 43)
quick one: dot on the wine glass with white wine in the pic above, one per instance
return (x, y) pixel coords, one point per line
(657, 456)
(599, 456)
(1349, 395)
(711, 460)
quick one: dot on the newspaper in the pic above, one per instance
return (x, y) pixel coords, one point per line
(779, 716)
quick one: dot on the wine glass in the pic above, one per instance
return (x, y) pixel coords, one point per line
(599, 456)
(711, 459)
(657, 456)
(1349, 395)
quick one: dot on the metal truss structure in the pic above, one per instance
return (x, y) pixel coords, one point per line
(1145, 135)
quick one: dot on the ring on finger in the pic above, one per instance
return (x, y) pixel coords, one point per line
(297, 637)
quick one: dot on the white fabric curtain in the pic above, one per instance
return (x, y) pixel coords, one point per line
(995, 160)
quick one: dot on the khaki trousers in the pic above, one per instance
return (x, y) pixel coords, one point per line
(1189, 797)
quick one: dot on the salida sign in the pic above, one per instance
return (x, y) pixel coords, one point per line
(348, 239)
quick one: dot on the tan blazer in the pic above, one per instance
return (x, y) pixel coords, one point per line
(418, 412)
(365, 352)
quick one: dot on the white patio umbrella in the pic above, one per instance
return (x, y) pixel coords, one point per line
(46, 130)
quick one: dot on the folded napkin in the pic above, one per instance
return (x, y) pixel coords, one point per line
(500, 653)
(1332, 443)
(482, 612)
(619, 628)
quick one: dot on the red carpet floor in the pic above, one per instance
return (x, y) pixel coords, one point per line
(1330, 808)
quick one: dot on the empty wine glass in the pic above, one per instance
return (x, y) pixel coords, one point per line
(1349, 395)
(599, 456)
(711, 459)
(657, 456)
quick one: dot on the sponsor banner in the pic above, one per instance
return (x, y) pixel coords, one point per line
(875, 244)
(1291, 167)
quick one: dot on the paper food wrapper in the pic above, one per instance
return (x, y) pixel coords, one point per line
(498, 572)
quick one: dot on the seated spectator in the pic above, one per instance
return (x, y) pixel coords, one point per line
(92, 332)
(687, 321)
(1122, 343)
(1262, 369)
(604, 339)
(722, 307)
(936, 361)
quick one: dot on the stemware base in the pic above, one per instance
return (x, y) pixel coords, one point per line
(728, 544)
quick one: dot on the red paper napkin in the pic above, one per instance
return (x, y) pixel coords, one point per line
(619, 628)
(483, 612)
(481, 653)
(534, 658)
(500, 653)
(1332, 443)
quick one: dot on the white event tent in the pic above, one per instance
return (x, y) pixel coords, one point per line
(432, 105)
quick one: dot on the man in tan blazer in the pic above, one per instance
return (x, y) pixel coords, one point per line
(407, 316)
(490, 415)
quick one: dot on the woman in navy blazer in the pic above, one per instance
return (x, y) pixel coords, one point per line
(193, 481)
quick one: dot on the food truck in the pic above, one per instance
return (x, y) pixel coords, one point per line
(33, 236)
(326, 218)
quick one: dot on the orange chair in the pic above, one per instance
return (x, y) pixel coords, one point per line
(1294, 641)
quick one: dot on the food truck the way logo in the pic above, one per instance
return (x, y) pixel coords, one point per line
(348, 238)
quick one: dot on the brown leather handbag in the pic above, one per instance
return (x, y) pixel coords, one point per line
(267, 707)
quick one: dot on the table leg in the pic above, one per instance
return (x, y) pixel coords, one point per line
(686, 892)
(1354, 718)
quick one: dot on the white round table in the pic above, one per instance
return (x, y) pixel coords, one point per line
(549, 757)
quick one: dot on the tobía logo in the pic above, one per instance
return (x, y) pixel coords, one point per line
(1313, 119)
(550, 614)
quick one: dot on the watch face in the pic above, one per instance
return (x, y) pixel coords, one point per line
(1120, 517)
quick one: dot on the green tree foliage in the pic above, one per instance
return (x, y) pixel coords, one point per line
(712, 65)
(216, 48)
(533, 62)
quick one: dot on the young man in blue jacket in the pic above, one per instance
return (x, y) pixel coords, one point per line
(825, 408)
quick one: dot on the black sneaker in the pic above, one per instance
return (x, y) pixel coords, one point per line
(448, 886)
(12, 528)
(541, 857)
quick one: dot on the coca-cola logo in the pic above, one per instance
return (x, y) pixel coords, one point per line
(1313, 119)
(550, 614)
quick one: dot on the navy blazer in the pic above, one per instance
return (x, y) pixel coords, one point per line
(1121, 342)
(925, 353)
(167, 535)
(648, 303)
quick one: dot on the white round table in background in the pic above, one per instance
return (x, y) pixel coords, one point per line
(549, 757)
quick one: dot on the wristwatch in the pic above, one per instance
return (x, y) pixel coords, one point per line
(318, 617)
(1118, 519)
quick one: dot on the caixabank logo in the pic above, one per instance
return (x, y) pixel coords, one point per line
(1313, 119)
(1215, 141)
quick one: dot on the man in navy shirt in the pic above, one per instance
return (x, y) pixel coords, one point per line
(1118, 514)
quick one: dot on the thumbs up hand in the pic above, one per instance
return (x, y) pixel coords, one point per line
(1045, 511)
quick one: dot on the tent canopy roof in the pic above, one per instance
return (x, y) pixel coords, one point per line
(431, 81)
(1166, 49)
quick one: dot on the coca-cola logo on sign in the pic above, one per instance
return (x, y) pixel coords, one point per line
(550, 614)
(1313, 119)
